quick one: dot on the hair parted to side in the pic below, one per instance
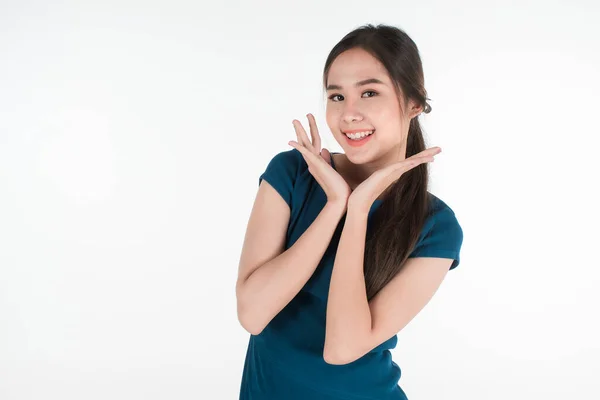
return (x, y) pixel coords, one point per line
(398, 221)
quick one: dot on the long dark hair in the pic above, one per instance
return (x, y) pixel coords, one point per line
(398, 220)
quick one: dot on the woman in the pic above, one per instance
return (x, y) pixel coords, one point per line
(342, 250)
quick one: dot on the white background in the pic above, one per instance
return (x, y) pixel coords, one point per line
(132, 136)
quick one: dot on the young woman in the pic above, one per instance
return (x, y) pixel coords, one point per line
(342, 250)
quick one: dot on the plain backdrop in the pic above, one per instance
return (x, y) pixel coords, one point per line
(132, 136)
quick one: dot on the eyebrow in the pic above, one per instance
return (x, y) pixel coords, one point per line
(357, 84)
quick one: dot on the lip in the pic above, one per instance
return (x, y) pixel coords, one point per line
(358, 143)
(357, 130)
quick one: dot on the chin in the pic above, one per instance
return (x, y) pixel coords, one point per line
(357, 157)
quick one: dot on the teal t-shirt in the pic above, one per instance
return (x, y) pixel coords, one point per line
(285, 361)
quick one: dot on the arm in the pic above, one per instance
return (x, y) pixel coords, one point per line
(269, 277)
(354, 325)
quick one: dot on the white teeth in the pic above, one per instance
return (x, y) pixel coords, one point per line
(359, 135)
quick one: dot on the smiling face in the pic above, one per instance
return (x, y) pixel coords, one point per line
(361, 97)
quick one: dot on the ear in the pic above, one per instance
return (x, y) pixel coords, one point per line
(415, 109)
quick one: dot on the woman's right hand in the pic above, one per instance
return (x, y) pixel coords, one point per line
(319, 163)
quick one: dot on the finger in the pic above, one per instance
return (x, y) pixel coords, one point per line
(303, 151)
(413, 162)
(302, 136)
(409, 163)
(425, 155)
(309, 156)
(298, 136)
(311, 160)
(393, 172)
(428, 152)
(314, 131)
(421, 159)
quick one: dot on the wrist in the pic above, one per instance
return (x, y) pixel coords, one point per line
(361, 207)
(338, 205)
(357, 211)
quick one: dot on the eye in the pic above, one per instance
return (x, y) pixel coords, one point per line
(371, 91)
(333, 96)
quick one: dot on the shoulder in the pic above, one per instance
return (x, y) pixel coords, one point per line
(442, 234)
(438, 207)
(439, 210)
(286, 156)
(288, 160)
(282, 172)
(286, 163)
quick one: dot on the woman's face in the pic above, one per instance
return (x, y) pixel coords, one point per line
(370, 106)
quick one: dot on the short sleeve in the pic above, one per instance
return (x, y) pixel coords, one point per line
(281, 173)
(442, 237)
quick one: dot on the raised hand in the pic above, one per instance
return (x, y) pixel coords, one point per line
(319, 163)
(371, 188)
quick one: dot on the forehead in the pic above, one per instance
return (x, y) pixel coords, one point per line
(354, 65)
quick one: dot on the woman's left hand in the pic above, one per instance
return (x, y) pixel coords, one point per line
(371, 188)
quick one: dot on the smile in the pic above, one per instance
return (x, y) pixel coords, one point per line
(358, 138)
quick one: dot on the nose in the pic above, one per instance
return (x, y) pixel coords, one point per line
(350, 118)
(351, 114)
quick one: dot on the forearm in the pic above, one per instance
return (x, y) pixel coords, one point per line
(273, 285)
(348, 314)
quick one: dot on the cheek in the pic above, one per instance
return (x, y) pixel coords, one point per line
(384, 110)
(388, 117)
(328, 120)
(331, 118)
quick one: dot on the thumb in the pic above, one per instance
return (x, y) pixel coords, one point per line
(326, 155)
